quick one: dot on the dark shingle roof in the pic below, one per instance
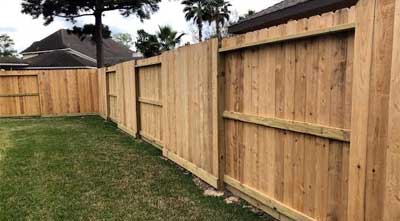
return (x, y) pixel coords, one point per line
(114, 52)
(58, 59)
(287, 10)
(277, 7)
(12, 61)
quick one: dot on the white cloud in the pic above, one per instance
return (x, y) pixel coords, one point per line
(25, 30)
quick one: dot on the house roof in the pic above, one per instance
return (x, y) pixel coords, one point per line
(287, 10)
(12, 61)
(59, 59)
(114, 52)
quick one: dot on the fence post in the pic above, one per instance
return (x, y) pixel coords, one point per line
(365, 12)
(218, 92)
(136, 101)
(392, 186)
(371, 85)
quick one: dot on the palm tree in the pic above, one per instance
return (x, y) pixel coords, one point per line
(196, 11)
(168, 38)
(219, 13)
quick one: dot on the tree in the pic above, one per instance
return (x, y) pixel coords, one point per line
(196, 11)
(248, 14)
(151, 45)
(168, 38)
(219, 13)
(7, 46)
(147, 44)
(90, 31)
(72, 9)
(125, 39)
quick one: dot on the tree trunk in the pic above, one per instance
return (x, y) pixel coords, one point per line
(99, 33)
(218, 30)
(200, 32)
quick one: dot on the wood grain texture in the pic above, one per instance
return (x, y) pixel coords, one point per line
(365, 12)
(300, 119)
(265, 200)
(189, 105)
(379, 115)
(234, 43)
(281, 100)
(150, 99)
(103, 98)
(294, 126)
(391, 203)
(49, 92)
(298, 36)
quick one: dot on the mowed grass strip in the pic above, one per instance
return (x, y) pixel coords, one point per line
(85, 169)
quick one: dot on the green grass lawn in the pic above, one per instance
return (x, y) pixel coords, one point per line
(85, 169)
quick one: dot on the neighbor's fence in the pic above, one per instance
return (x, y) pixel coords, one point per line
(300, 119)
(48, 93)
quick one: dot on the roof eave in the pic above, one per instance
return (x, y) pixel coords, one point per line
(13, 64)
(306, 9)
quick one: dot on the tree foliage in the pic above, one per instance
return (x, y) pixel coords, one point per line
(219, 13)
(125, 39)
(89, 31)
(154, 44)
(72, 9)
(147, 44)
(211, 11)
(168, 38)
(7, 46)
(196, 11)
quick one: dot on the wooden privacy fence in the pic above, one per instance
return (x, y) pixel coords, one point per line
(48, 93)
(294, 118)
(300, 119)
(149, 93)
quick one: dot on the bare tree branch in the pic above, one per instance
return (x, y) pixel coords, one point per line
(74, 16)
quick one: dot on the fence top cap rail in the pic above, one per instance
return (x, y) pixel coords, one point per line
(154, 63)
(301, 35)
(17, 75)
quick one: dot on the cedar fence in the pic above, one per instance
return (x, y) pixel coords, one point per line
(48, 93)
(300, 119)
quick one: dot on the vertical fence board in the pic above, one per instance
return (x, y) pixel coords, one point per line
(286, 93)
(49, 92)
(191, 75)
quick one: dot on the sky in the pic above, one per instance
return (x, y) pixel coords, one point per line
(25, 30)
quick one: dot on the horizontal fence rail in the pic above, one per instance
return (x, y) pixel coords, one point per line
(300, 127)
(48, 93)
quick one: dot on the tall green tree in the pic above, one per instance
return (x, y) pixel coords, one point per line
(165, 39)
(89, 30)
(72, 9)
(219, 13)
(168, 37)
(196, 12)
(125, 39)
(147, 44)
(7, 46)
